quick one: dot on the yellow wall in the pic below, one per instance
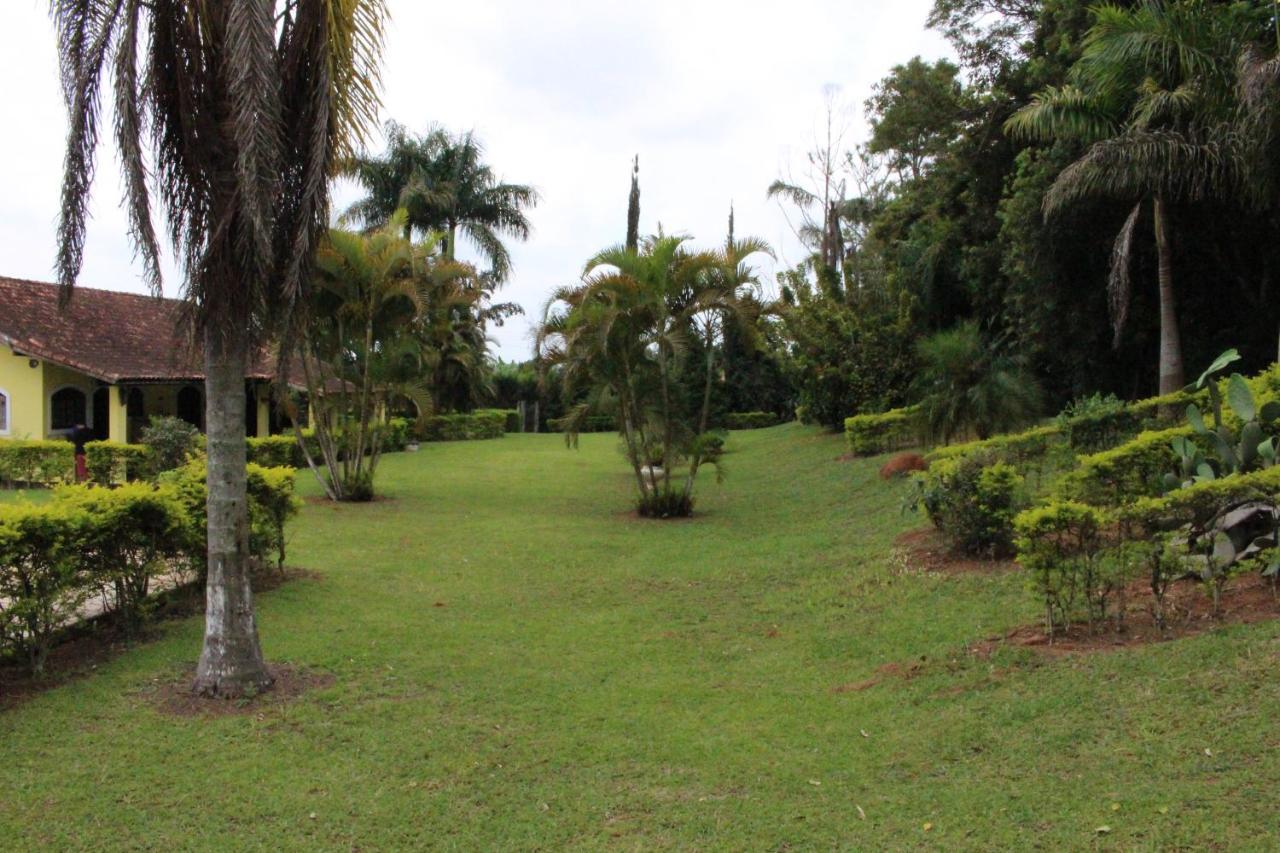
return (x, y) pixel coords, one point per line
(24, 386)
(118, 429)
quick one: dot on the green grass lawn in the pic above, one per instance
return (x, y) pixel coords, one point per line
(521, 664)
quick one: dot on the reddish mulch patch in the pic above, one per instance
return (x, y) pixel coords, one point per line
(893, 669)
(1247, 599)
(92, 643)
(174, 696)
(928, 550)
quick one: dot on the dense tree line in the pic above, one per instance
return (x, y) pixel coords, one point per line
(1083, 185)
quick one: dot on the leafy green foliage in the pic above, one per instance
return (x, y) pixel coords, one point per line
(480, 424)
(36, 462)
(868, 435)
(967, 386)
(109, 462)
(750, 420)
(171, 441)
(973, 503)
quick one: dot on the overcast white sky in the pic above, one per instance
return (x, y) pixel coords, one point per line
(716, 97)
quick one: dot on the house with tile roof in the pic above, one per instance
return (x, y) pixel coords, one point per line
(107, 359)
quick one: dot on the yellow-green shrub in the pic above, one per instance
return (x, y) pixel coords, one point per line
(44, 578)
(36, 462)
(871, 434)
(132, 534)
(110, 462)
(482, 423)
(1059, 544)
(973, 503)
(1132, 470)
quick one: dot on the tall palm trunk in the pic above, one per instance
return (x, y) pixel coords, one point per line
(231, 661)
(1172, 378)
(696, 461)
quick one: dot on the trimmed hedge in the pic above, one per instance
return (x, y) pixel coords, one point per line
(1018, 449)
(480, 424)
(750, 420)
(36, 463)
(276, 451)
(1199, 502)
(593, 423)
(871, 434)
(1132, 470)
(55, 556)
(110, 463)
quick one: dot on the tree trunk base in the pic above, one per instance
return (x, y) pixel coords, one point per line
(238, 685)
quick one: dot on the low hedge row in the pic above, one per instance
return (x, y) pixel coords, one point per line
(750, 420)
(871, 434)
(90, 541)
(480, 424)
(1132, 470)
(593, 423)
(32, 463)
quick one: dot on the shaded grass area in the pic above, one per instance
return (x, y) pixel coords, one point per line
(520, 662)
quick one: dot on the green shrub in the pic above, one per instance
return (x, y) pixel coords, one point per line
(592, 423)
(1096, 423)
(871, 434)
(973, 503)
(480, 424)
(172, 442)
(272, 503)
(396, 434)
(968, 385)
(132, 533)
(750, 420)
(111, 463)
(36, 463)
(513, 420)
(1060, 545)
(665, 503)
(275, 451)
(43, 577)
(1132, 470)
(1198, 503)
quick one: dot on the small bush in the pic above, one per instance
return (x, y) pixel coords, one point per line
(396, 434)
(665, 503)
(111, 463)
(750, 420)
(36, 463)
(42, 576)
(871, 434)
(272, 503)
(1060, 544)
(973, 503)
(172, 441)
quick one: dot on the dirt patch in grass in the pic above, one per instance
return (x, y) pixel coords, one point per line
(1247, 599)
(95, 642)
(173, 696)
(884, 672)
(928, 550)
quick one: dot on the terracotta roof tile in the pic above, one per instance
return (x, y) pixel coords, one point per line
(105, 334)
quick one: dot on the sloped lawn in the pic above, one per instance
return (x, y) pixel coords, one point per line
(519, 663)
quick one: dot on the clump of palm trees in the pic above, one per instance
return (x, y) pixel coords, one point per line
(620, 338)
(445, 191)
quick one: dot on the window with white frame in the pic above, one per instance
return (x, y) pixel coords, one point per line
(4, 412)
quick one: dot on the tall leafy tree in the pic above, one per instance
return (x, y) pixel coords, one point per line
(1152, 93)
(442, 180)
(246, 109)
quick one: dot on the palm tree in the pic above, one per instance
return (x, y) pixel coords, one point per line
(247, 109)
(441, 179)
(718, 300)
(358, 351)
(966, 384)
(622, 334)
(1152, 96)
